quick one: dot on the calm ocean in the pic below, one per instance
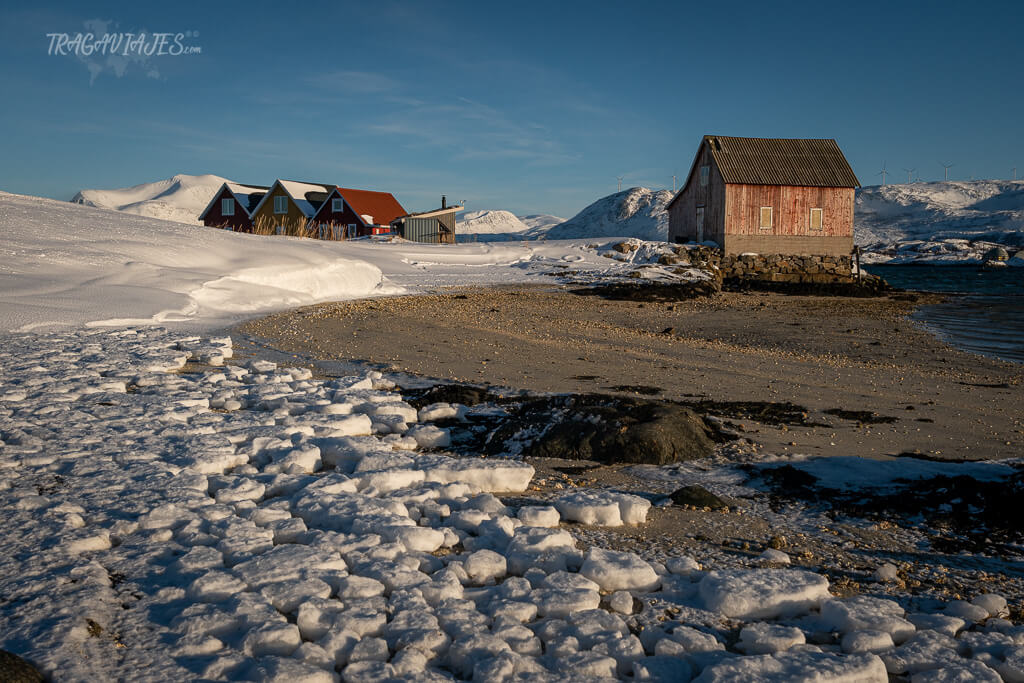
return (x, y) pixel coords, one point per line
(987, 317)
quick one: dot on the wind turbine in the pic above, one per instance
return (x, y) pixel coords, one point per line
(882, 173)
(910, 173)
(1014, 172)
(947, 167)
(619, 178)
(674, 179)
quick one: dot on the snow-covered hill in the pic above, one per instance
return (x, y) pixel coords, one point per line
(179, 198)
(541, 221)
(490, 223)
(940, 221)
(636, 212)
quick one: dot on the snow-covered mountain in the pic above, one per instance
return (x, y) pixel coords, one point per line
(636, 212)
(490, 223)
(541, 221)
(940, 221)
(179, 198)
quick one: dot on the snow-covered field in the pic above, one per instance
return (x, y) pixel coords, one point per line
(238, 520)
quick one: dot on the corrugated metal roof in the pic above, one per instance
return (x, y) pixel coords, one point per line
(775, 161)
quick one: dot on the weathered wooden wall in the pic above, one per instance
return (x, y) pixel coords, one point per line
(683, 212)
(791, 208)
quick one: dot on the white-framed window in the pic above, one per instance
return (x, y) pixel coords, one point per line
(351, 230)
(280, 204)
(815, 221)
(766, 218)
(705, 173)
(337, 205)
(227, 206)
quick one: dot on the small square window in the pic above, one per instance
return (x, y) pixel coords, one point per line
(816, 219)
(705, 173)
(280, 204)
(227, 207)
(766, 218)
(337, 205)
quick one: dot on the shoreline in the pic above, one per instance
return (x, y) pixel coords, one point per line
(820, 353)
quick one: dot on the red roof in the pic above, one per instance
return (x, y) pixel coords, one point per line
(381, 205)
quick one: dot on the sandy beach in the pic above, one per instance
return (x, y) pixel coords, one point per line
(821, 353)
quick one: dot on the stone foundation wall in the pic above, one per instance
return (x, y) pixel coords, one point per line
(777, 267)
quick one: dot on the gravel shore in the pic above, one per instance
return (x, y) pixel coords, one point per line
(823, 353)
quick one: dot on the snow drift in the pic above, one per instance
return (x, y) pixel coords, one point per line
(69, 265)
(178, 198)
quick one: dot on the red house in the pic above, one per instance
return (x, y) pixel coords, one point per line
(232, 207)
(355, 213)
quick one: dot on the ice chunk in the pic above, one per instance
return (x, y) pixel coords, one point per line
(682, 566)
(772, 556)
(625, 651)
(621, 602)
(614, 571)
(820, 667)
(994, 604)
(429, 436)
(967, 672)
(966, 611)
(465, 652)
(603, 508)
(484, 566)
(316, 616)
(275, 638)
(762, 593)
(539, 515)
(485, 475)
(767, 639)
(564, 580)
(438, 411)
(563, 602)
(925, 650)
(949, 626)
(861, 613)
(887, 572)
(856, 642)
(215, 586)
(287, 596)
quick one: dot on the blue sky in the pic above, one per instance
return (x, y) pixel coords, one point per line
(527, 106)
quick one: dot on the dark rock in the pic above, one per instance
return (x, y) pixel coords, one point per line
(466, 394)
(14, 669)
(697, 496)
(862, 416)
(996, 254)
(606, 429)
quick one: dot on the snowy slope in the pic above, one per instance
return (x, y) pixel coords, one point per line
(65, 264)
(179, 198)
(636, 212)
(941, 221)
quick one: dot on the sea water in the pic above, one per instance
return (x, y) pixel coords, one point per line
(985, 314)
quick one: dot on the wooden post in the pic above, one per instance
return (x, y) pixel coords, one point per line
(856, 256)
